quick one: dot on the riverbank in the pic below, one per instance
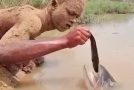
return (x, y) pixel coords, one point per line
(96, 19)
(98, 9)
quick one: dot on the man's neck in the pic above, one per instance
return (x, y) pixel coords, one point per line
(46, 19)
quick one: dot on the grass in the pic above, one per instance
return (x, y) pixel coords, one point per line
(107, 6)
(10, 3)
(102, 7)
(39, 3)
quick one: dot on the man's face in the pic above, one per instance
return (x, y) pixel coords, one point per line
(64, 15)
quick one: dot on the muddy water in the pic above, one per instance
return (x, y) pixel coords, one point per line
(64, 69)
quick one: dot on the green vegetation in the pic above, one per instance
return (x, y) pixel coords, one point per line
(107, 6)
(10, 3)
(103, 7)
(39, 3)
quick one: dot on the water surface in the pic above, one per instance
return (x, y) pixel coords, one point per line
(63, 70)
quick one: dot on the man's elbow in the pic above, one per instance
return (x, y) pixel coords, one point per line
(7, 59)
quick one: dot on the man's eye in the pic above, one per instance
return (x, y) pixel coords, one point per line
(72, 13)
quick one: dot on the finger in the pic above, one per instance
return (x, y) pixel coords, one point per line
(85, 32)
(80, 41)
(84, 37)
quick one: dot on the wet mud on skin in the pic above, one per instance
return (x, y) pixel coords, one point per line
(63, 70)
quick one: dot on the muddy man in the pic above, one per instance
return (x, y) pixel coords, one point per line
(19, 26)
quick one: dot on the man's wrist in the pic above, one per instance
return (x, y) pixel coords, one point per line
(64, 42)
(61, 41)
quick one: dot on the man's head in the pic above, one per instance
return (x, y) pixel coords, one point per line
(65, 12)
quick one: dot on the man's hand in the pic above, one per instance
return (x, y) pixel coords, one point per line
(78, 36)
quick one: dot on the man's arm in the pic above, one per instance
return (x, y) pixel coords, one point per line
(26, 50)
(30, 49)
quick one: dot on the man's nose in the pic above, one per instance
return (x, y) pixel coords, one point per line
(73, 21)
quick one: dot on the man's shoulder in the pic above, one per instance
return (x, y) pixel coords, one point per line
(26, 7)
(17, 10)
(27, 12)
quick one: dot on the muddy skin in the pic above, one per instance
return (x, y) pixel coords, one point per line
(9, 17)
(16, 25)
(39, 61)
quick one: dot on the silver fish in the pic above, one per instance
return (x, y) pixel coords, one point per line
(99, 78)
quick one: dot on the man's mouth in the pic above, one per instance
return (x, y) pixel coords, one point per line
(65, 27)
(68, 25)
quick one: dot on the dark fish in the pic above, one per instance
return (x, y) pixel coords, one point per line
(95, 57)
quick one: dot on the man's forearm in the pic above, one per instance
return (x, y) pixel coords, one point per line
(26, 50)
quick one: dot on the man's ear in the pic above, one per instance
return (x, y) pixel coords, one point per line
(54, 3)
